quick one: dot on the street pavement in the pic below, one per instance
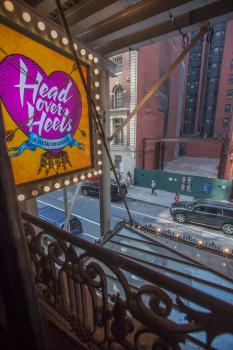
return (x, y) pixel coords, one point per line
(154, 213)
(163, 198)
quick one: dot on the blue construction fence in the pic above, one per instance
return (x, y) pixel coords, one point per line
(190, 185)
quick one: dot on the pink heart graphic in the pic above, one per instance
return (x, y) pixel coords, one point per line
(55, 100)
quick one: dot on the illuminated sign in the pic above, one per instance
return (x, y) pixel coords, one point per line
(45, 110)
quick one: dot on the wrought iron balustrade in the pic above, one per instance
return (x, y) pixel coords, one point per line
(87, 289)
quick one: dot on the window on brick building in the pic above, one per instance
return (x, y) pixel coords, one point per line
(214, 80)
(226, 121)
(229, 93)
(119, 139)
(231, 64)
(219, 35)
(218, 50)
(118, 61)
(118, 97)
(230, 80)
(227, 108)
(117, 161)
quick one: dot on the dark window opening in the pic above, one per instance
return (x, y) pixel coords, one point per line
(226, 121)
(229, 93)
(230, 80)
(227, 108)
(118, 62)
(119, 97)
(119, 139)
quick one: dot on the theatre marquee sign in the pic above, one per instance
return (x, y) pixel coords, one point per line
(45, 110)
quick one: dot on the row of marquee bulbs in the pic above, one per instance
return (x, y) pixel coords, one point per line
(21, 197)
(179, 236)
(9, 6)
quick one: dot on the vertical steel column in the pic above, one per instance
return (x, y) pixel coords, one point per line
(105, 196)
(23, 323)
(65, 198)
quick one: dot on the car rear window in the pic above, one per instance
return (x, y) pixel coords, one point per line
(228, 213)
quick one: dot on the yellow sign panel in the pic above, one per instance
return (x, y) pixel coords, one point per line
(45, 109)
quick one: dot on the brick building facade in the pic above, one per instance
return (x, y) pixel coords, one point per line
(196, 100)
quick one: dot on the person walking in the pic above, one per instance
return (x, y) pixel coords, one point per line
(177, 197)
(129, 179)
(153, 188)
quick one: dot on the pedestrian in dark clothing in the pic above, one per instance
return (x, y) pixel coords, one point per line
(177, 197)
(153, 188)
(129, 179)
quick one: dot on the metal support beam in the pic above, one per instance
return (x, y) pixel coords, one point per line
(213, 13)
(130, 16)
(188, 139)
(105, 195)
(95, 115)
(84, 9)
(161, 80)
(23, 326)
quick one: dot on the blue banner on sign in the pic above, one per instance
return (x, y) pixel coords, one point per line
(35, 141)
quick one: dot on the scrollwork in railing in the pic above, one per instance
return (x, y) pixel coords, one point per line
(88, 287)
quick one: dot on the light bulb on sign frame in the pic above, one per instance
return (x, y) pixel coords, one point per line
(41, 25)
(35, 193)
(26, 17)
(46, 188)
(65, 41)
(9, 6)
(21, 197)
(54, 34)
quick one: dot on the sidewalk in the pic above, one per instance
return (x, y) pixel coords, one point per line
(163, 198)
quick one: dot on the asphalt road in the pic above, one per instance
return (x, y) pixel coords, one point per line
(87, 210)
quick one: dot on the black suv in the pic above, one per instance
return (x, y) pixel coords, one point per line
(205, 212)
(92, 189)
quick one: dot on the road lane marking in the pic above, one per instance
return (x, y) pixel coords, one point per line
(78, 216)
(114, 218)
(87, 234)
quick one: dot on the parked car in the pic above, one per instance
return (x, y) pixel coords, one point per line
(91, 188)
(205, 212)
(57, 217)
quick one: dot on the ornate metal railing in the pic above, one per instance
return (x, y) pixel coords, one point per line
(77, 282)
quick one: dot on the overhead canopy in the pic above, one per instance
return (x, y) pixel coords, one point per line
(110, 27)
